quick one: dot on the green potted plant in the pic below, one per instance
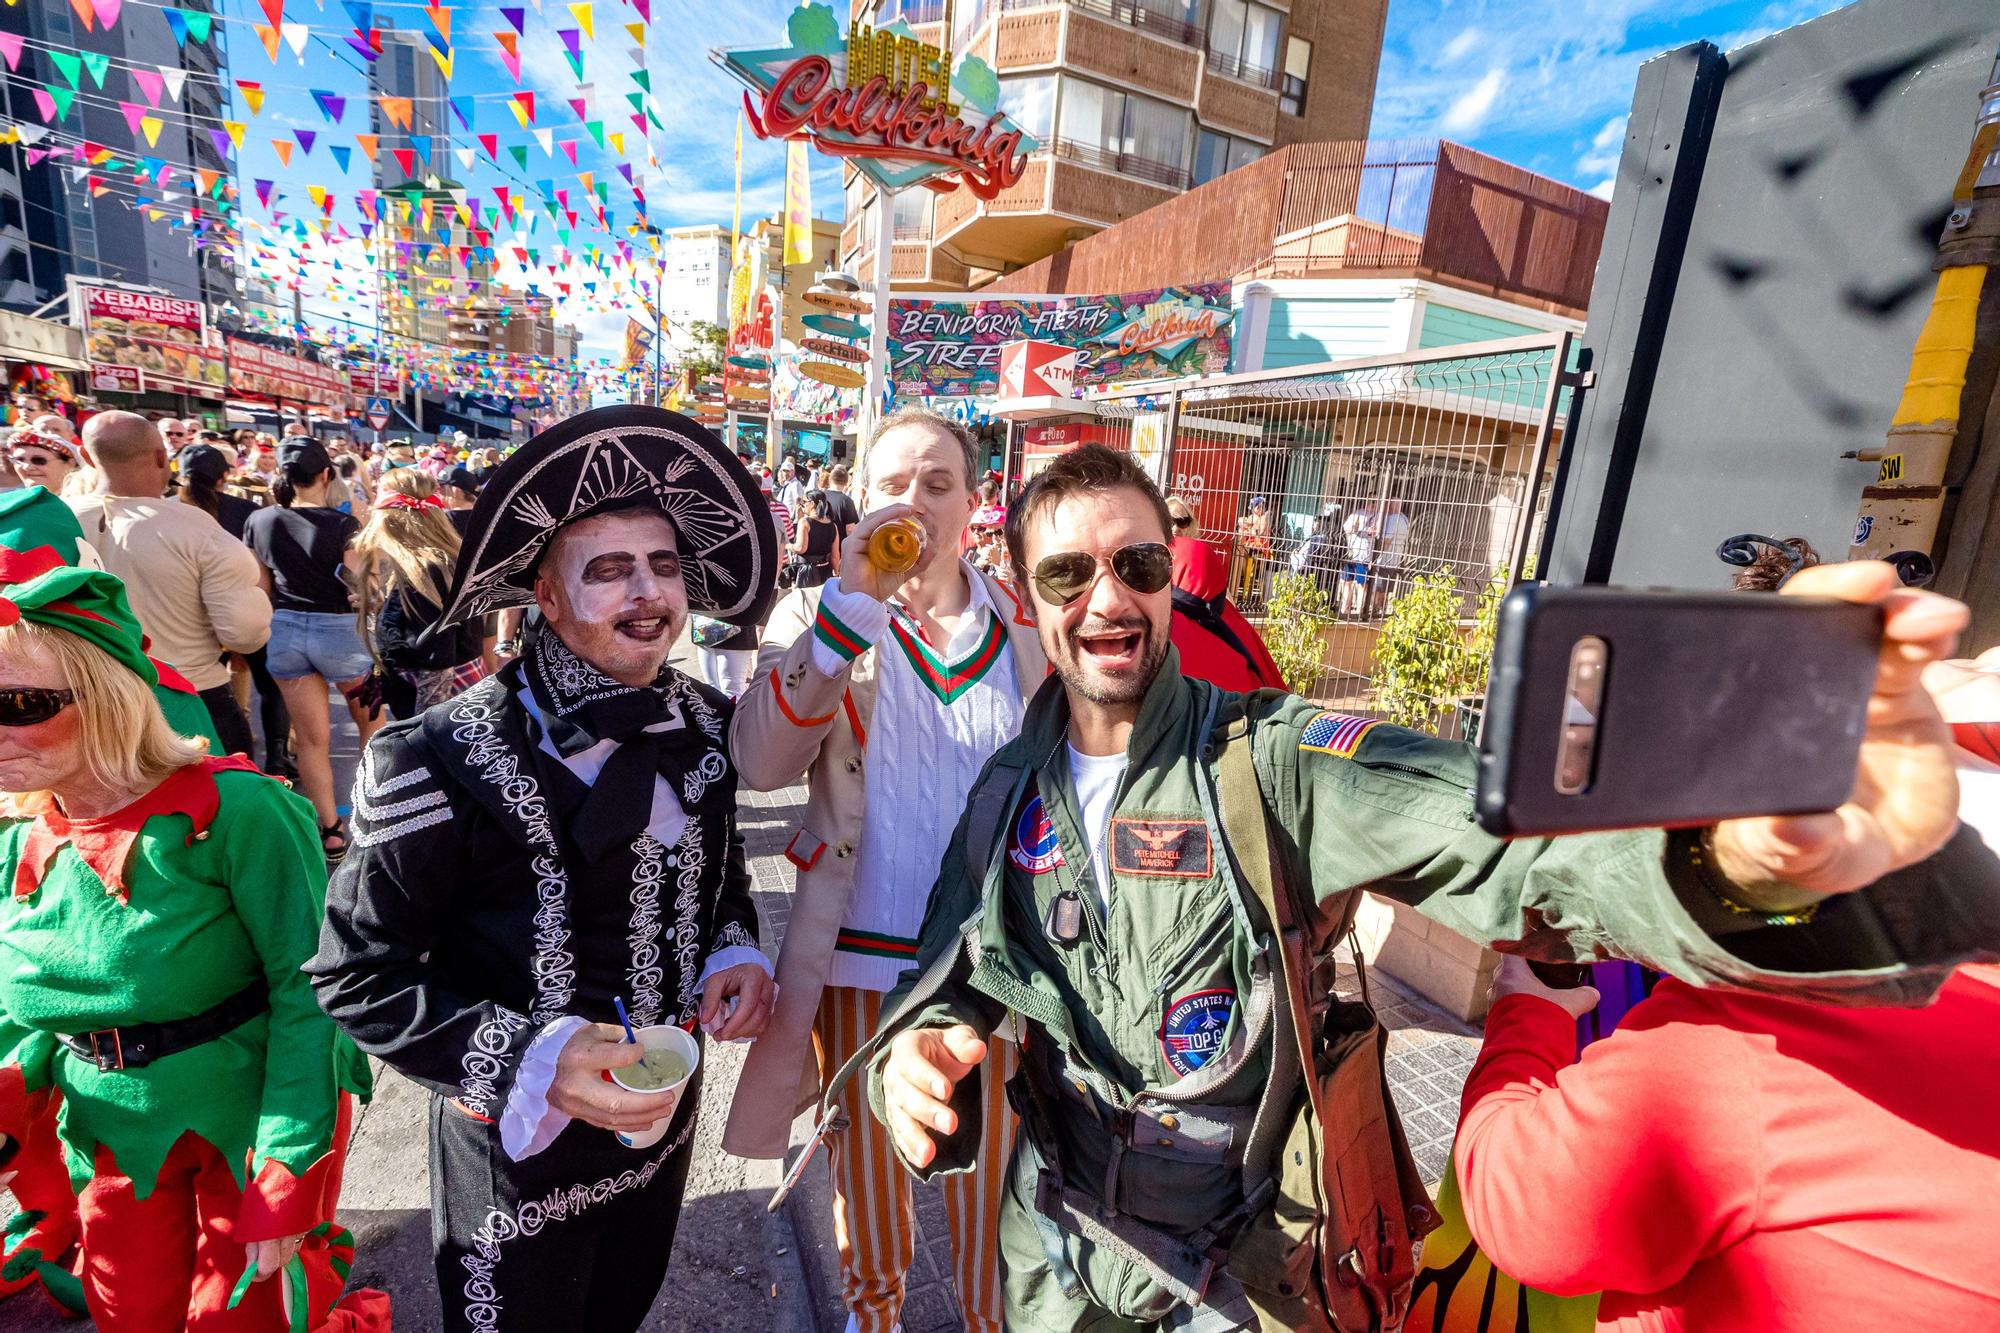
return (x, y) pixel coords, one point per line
(1295, 623)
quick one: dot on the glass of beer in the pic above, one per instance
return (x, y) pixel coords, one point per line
(896, 546)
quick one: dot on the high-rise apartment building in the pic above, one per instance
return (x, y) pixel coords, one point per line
(407, 70)
(50, 225)
(1132, 102)
(694, 280)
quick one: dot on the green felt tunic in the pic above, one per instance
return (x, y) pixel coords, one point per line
(188, 716)
(205, 918)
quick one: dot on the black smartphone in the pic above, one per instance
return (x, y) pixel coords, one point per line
(1614, 708)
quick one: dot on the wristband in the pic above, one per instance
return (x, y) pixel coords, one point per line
(1701, 857)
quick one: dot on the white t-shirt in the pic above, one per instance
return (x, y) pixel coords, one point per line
(1096, 778)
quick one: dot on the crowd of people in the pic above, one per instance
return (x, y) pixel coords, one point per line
(1069, 875)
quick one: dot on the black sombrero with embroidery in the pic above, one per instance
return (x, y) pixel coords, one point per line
(614, 458)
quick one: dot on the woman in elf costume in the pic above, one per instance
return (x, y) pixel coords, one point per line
(35, 525)
(155, 907)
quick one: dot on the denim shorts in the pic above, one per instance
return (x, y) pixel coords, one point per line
(307, 643)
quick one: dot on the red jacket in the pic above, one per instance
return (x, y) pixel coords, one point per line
(1728, 1162)
(1199, 624)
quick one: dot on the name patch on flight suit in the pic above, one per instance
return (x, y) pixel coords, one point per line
(1194, 1029)
(1170, 848)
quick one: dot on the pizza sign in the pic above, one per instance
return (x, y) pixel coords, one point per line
(884, 99)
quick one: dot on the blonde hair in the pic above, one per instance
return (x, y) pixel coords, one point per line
(403, 546)
(126, 740)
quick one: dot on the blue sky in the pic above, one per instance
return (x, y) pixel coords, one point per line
(1511, 77)
(1545, 85)
(686, 170)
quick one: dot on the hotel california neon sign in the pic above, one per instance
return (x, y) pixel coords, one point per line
(884, 100)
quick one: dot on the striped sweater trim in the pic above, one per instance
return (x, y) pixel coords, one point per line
(874, 944)
(948, 680)
(830, 630)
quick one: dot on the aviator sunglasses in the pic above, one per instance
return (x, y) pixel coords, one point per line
(24, 708)
(1144, 567)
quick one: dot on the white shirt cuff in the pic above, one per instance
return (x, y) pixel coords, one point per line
(846, 621)
(528, 1123)
(729, 956)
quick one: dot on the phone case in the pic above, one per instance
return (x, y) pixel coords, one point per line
(1713, 706)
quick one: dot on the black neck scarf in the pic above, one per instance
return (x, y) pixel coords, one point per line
(652, 727)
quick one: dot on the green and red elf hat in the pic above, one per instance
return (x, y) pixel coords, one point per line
(33, 517)
(35, 525)
(36, 586)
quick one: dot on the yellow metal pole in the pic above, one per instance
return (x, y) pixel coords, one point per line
(1900, 511)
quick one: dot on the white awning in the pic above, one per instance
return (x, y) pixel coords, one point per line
(40, 342)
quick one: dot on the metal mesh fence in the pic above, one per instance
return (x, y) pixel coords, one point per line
(1369, 511)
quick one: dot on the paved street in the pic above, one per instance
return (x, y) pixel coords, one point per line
(736, 1266)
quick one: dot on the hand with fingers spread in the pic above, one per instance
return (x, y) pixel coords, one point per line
(924, 1065)
(1904, 805)
(581, 1091)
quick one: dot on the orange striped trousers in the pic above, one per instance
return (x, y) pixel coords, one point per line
(872, 1219)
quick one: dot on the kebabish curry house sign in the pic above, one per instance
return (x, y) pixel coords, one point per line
(893, 105)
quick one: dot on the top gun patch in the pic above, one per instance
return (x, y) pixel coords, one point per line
(1336, 733)
(1168, 848)
(1032, 843)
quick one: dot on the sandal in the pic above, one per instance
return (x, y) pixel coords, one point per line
(333, 842)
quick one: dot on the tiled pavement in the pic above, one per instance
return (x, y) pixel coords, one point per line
(1430, 1054)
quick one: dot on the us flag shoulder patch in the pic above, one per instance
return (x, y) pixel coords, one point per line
(1336, 733)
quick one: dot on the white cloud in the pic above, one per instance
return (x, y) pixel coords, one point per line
(1604, 188)
(1774, 18)
(1604, 151)
(1459, 47)
(1562, 81)
(1469, 111)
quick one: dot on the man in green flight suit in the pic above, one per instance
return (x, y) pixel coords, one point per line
(1090, 905)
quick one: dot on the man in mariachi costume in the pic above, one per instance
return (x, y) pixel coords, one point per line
(150, 955)
(558, 836)
(1160, 1058)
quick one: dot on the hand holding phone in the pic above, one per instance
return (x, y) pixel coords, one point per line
(1801, 731)
(1904, 805)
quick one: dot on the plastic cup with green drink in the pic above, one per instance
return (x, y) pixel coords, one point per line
(669, 1062)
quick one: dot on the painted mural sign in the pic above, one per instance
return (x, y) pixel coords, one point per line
(885, 100)
(951, 347)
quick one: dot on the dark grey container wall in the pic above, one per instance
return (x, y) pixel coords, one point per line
(1766, 268)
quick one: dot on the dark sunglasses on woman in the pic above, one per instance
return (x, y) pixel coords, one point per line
(24, 708)
(1144, 567)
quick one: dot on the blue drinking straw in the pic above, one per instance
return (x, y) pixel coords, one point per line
(625, 1019)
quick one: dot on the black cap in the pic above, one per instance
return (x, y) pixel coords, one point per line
(303, 455)
(463, 477)
(204, 462)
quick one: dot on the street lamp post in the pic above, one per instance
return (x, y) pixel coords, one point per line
(659, 310)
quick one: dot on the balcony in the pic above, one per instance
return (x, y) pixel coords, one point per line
(1068, 190)
(1235, 67)
(1121, 164)
(1160, 18)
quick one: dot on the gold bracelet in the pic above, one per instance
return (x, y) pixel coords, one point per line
(1699, 856)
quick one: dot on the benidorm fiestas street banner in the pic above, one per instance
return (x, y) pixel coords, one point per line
(950, 346)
